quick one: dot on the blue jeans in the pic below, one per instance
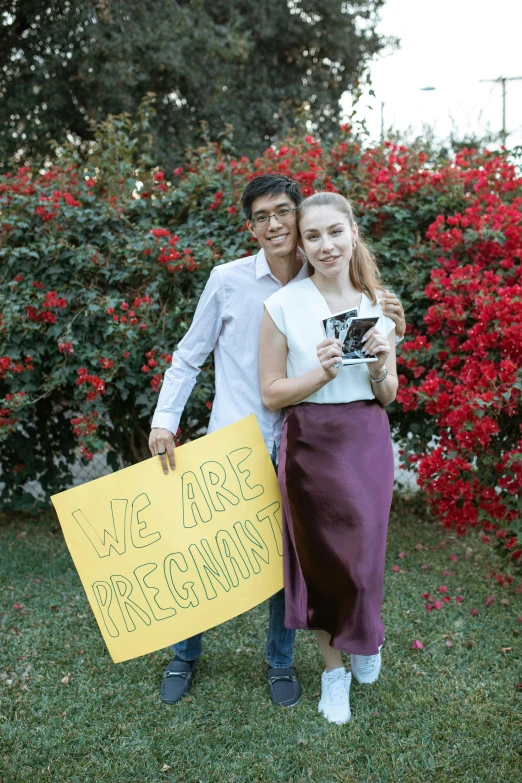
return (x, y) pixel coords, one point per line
(279, 641)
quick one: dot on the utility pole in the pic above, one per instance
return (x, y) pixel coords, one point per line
(503, 80)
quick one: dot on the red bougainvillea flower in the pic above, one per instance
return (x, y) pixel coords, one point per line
(70, 200)
(66, 347)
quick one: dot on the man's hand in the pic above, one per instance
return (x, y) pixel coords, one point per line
(161, 442)
(392, 308)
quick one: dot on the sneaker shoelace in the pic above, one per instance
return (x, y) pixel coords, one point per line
(366, 662)
(336, 689)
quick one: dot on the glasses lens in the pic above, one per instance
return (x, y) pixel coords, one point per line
(284, 215)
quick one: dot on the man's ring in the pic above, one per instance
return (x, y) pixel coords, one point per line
(161, 453)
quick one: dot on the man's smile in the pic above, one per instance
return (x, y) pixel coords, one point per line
(278, 239)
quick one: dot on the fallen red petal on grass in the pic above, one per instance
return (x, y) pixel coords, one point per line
(442, 589)
(395, 568)
(18, 606)
(425, 595)
(519, 686)
(425, 567)
(474, 612)
(459, 598)
(417, 645)
(447, 599)
(446, 573)
(438, 605)
(402, 555)
(429, 607)
(454, 558)
(489, 600)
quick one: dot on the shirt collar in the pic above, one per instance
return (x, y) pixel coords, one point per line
(262, 267)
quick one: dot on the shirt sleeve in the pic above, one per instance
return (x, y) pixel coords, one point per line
(276, 312)
(193, 349)
(385, 325)
(389, 324)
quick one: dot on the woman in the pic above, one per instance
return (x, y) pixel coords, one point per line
(336, 461)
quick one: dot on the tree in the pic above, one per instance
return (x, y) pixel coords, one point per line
(257, 66)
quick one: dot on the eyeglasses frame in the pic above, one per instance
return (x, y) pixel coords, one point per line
(274, 214)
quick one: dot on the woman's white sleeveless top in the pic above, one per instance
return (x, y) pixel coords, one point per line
(298, 311)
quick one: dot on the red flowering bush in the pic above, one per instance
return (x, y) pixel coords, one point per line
(463, 368)
(104, 259)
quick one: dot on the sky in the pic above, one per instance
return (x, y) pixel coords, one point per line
(449, 45)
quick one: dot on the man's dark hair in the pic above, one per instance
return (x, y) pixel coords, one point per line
(269, 185)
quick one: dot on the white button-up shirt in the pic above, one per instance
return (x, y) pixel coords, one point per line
(227, 321)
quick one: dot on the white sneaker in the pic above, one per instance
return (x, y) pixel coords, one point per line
(335, 695)
(366, 668)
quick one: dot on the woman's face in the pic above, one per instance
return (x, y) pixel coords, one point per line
(327, 239)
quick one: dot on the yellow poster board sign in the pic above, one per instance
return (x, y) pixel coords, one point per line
(162, 558)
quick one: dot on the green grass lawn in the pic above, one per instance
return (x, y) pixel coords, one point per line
(450, 712)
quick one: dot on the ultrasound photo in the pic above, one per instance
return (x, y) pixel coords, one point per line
(353, 344)
(337, 325)
(350, 329)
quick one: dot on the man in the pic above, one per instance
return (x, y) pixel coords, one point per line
(227, 321)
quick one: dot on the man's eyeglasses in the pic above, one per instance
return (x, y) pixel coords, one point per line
(284, 215)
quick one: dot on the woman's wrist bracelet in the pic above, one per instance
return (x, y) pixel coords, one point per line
(378, 380)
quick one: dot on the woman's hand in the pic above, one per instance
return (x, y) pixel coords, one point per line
(377, 344)
(330, 354)
(392, 308)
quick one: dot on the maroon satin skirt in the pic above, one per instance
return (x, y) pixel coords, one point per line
(336, 475)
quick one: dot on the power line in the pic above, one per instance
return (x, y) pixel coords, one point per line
(503, 80)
